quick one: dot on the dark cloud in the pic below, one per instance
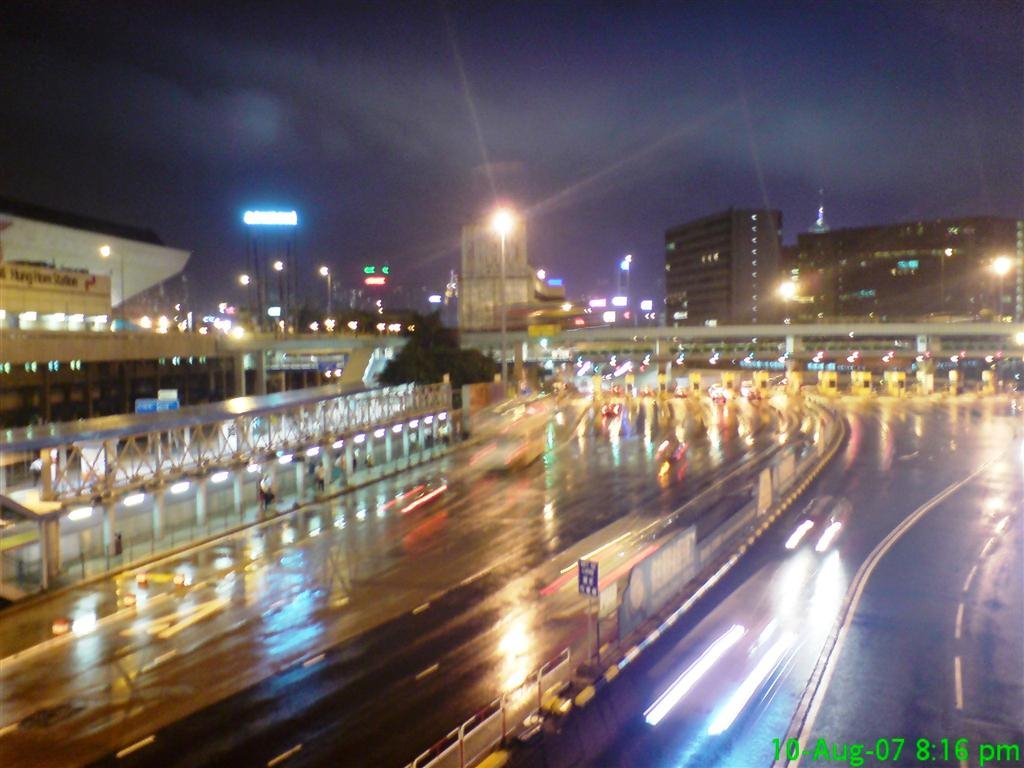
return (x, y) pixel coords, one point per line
(387, 126)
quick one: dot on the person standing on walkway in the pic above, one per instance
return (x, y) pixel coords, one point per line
(318, 476)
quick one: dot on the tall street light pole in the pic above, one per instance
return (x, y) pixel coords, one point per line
(502, 223)
(1001, 265)
(325, 272)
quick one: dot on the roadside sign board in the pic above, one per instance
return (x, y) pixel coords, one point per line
(588, 577)
(153, 405)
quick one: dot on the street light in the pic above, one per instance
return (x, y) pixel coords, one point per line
(244, 279)
(105, 252)
(325, 272)
(1001, 265)
(502, 223)
(787, 290)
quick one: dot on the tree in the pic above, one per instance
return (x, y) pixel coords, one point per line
(432, 350)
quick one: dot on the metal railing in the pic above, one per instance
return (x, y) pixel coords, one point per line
(82, 469)
(501, 719)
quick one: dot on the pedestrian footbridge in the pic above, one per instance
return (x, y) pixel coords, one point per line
(81, 498)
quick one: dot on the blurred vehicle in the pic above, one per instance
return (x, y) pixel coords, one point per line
(821, 522)
(611, 410)
(511, 453)
(671, 450)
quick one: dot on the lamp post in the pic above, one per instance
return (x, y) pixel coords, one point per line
(502, 223)
(279, 268)
(326, 273)
(1001, 265)
(105, 252)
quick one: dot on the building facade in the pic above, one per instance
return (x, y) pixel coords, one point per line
(955, 269)
(722, 269)
(58, 270)
(480, 284)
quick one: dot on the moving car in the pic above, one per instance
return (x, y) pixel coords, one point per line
(821, 522)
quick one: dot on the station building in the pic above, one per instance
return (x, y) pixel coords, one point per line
(64, 272)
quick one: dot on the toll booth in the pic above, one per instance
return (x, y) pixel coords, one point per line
(954, 382)
(896, 383)
(988, 382)
(828, 382)
(925, 382)
(695, 385)
(761, 382)
(729, 381)
(794, 380)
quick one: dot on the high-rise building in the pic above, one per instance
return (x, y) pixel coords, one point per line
(961, 268)
(480, 291)
(723, 269)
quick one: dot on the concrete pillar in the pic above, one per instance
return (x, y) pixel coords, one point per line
(405, 446)
(346, 463)
(260, 386)
(238, 490)
(109, 510)
(239, 371)
(387, 447)
(518, 372)
(46, 479)
(49, 541)
(201, 503)
(159, 499)
(300, 479)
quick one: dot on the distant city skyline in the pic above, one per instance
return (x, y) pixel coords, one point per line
(390, 128)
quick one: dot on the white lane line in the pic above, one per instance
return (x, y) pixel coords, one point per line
(283, 756)
(136, 746)
(428, 671)
(857, 586)
(958, 681)
(420, 608)
(959, 620)
(315, 660)
(970, 577)
(988, 546)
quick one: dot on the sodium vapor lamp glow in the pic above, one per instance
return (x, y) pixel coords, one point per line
(1002, 265)
(502, 222)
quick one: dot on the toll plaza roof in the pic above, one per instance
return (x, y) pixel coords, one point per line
(37, 438)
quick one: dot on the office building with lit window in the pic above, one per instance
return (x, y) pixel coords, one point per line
(722, 269)
(945, 269)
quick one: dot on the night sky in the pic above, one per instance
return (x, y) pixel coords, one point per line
(391, 126)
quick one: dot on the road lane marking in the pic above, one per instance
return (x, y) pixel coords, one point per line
(857, 586)
(420, 608)
(283, 756)
(593, 552)
(136, 746)
(428, 671)
(959, 620)
(958, 681)
(315, 660)
(970, 577)
(988, 546)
